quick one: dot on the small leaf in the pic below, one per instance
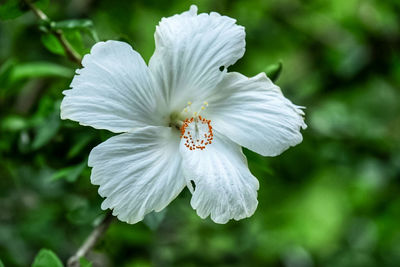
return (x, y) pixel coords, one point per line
(84, 262)
(52, 44)
(47, 258)
(71, 174)
(154, 219)
(73, 24)
(85, 25)
(74, 37)
(39, 69)
(14, 123)
(274, 71)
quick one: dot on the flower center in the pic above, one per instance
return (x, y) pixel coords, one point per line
(196, 130)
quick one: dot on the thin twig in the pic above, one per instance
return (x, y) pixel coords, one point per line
(91, 241)
(71, 53)
(69, 50)
(39, 13)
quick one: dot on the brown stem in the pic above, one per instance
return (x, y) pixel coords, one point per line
(69, 50)
(90, 241)
(71, 53)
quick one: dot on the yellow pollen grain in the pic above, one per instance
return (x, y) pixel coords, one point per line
(203, 108)
(189, 103)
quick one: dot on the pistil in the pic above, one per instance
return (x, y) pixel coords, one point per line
(196, 130)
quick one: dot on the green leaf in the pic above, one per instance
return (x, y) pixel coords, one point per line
(46, 130)
(52, 44)
(47, 258)
(73, 24)
(274, 71)
(85, 25)
(11, 9)
(14, 123)
(1, 264)
(84, 262)
(71, 174)
(39, 69)
(74, 37)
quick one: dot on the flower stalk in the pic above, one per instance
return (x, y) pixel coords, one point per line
(91, 241)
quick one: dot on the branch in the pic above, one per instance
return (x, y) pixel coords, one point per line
(91, 241)
(71, 53)
(69, 50)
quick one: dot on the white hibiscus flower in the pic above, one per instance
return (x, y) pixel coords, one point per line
(182, 119)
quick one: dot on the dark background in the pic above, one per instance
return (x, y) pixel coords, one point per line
(333, 200)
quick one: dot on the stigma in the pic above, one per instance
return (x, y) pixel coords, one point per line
(196, 130)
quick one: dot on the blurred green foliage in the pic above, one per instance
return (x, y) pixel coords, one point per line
(334, 200)
(46, 258)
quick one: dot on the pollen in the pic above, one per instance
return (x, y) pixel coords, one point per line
(197, 133)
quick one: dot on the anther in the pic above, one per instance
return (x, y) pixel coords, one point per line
(196, 133)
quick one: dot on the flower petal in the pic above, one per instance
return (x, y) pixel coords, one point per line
(138, 172)
(224, 186)
(254, 113)
(190, 49)
(113, 91)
